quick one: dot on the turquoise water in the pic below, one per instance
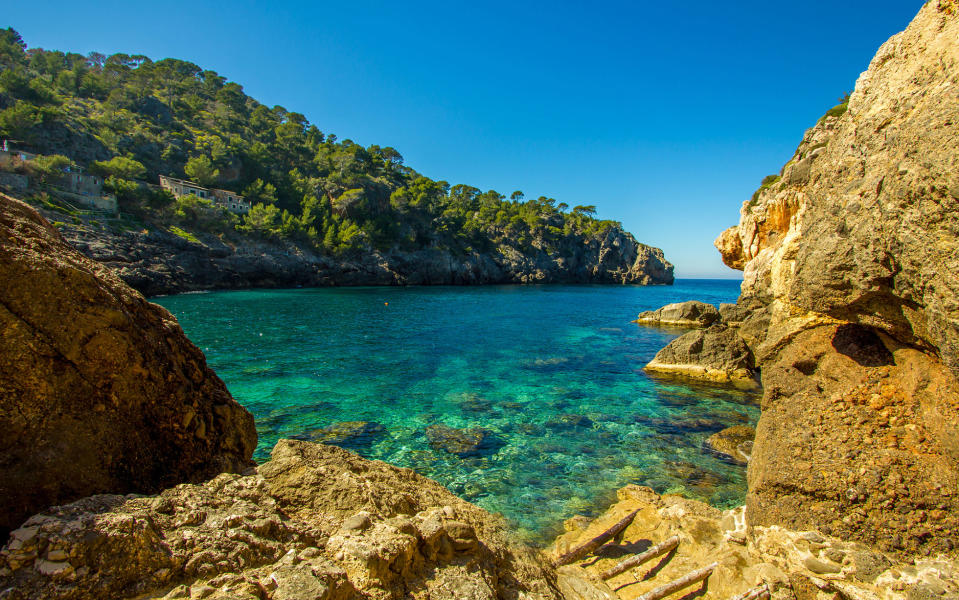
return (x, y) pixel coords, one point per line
(526, 363)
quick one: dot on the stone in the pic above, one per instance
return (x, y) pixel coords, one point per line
(315, 521)
(715, 354)
(99, 381)
(820, 566)
(473, 441)
(569, 422)
(681, 314)
(348, 434)
(731, 442)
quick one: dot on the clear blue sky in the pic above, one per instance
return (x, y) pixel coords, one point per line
(665, 115)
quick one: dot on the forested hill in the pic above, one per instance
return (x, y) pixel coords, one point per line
(131, 119)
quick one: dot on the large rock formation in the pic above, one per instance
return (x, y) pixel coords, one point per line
(158, 262)
(851, 265)
(315, 522)
(100, 390)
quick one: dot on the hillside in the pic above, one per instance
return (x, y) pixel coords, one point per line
(130, 119)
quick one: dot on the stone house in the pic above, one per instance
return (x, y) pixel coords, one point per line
(80, 183)
(231, 201)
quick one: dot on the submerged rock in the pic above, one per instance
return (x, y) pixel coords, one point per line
(100, 390)
(473, 441)
(681, 314)
(569, 422)
(714, 354)
(347, 434)
(733, 443)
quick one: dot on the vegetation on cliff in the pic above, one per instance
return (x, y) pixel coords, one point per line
(130, 118)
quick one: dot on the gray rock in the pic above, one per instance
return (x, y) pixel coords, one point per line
(681, 314)
(158, 262)
(715, 354)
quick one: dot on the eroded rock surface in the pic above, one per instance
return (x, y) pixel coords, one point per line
(100, 390)
(714, 354)
(850, 279)
(691, 313)
(315, 521)
(792, 564)
(733, 443)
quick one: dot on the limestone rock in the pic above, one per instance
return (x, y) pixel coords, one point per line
(100, 390)
(859, 438)
(851, 256)
(316, 521)
(714, 354)
(681, 314)
(158, 262)
(734, 443)
(792, 564)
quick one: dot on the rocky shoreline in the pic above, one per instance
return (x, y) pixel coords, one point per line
(848, 315)
(156, 262)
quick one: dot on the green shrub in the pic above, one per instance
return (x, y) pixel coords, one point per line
(767, 182)
(184, 234)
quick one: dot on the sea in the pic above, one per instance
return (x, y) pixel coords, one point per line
(548, 379)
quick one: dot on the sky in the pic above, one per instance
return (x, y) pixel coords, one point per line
(665, 115)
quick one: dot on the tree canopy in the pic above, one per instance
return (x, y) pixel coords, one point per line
(129, 118)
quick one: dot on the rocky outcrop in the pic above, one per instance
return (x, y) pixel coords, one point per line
(733, 443)
(792, 565)
(314, 522)
(100, 391)
(681, 314)
(157, 262)
(715, 354)
(850, 277)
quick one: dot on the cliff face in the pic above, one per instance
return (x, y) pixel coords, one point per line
(100, 391)
(851, 265)
(157, 262)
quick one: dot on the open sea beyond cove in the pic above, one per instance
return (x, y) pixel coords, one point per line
(550, 374)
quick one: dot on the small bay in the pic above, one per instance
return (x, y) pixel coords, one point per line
(552, 374)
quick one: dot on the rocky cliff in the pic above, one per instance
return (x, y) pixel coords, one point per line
(100, 390)
(157, 262)
(851, 263)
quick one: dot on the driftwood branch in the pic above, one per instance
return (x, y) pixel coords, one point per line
(757, 593)
(678, 584)
(584, 549)
(648, 555)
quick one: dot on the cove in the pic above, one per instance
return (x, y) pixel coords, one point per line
(552, 374)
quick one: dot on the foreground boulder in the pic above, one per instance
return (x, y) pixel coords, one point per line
(850, 265)
(716, 354)
(100, 390)
(681, 314)
(316, 521)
